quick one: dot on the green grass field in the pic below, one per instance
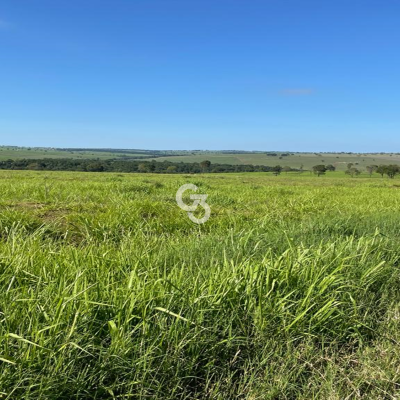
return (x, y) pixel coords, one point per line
(307, 160)
(289, 291)
(38, 153)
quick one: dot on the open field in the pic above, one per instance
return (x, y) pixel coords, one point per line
(34, 153)
(289, 291)
(294, 160)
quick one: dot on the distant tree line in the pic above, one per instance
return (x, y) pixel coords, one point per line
(389, 170)
(170, 167)
(138, 166)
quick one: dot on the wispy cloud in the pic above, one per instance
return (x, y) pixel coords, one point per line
(297, 92)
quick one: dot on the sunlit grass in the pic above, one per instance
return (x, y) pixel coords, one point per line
(289, 291)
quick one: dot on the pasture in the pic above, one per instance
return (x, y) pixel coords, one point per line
(16, 153)
(293, 160)
(109, 291)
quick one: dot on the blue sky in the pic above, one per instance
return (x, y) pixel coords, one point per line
(210, 74)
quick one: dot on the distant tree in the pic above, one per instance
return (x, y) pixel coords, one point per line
(276, 170)
(319, 169)
(349, 165)
(353, 172)
(205, 165)
(171, 169)
(381, 170)
(371, 169)
(143, 168)
(248, 168)
(301, 170)
(95, 167)
(34, 166)
(330, 167)
(392, 170)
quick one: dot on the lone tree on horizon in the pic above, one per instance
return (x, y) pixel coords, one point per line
(319, 169)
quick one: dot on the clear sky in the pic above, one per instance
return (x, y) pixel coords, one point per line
(201, 74)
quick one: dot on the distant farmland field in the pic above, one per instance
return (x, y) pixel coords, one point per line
(35, 153)
(296, 160)
(109, 291)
